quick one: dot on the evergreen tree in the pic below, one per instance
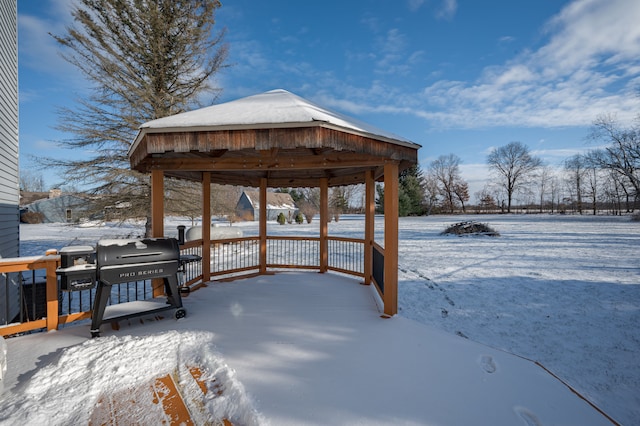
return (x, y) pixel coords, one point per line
(411, 193)
(145, 60)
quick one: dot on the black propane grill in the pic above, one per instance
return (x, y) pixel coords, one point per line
(123, 261)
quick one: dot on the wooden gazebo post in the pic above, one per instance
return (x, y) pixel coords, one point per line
(206, 226)
(324, 225)
(157, 219)
(390, 297)
(157, 203)
(263, 226)
(369, 225)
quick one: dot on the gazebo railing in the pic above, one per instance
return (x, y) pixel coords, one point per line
(43, 305)
(346, 255)
(240, 255)
(293, 252)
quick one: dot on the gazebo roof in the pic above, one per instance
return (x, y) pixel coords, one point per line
(275, 135)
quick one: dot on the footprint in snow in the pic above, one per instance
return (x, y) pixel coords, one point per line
(487, 364)
(527, 416)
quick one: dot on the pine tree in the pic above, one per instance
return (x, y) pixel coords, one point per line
(411, 193)
(144, 60)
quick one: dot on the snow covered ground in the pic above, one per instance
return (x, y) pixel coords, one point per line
(560, 290)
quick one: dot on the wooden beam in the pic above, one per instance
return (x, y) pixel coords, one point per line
(206, 226)
(337, 160)
(263, 226)
(369, 225)
(324, 225)
(391, 192)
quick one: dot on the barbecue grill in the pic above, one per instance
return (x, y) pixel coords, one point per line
(122, 261)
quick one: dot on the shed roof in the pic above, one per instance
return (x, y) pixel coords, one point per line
(275, 200)
(275, 135)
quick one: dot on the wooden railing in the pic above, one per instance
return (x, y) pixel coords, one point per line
(30, 265)
(234, 257)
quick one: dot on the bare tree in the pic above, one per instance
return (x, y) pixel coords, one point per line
(576, 168)
(446, 171)
(485, 200)
(461, 191)
(544, 180)
(224, 199)
(513, 166)
(308, 201)
(340, 200)
(431, 192)
(622, 155)
(184, 198)
(31, 181)
(145, 60)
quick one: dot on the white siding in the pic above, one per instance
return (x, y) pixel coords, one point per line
(9, 190)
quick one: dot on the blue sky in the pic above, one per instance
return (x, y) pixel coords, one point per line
(458, 77)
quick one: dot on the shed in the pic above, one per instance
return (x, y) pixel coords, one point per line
(248, 207)
(278, 139)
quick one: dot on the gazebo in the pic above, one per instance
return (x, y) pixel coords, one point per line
(277, 139)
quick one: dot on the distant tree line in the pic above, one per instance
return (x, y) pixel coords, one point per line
(603, 179)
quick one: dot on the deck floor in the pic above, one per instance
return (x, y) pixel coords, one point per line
(313, 349)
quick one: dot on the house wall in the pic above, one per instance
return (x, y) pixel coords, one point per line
(9, 189)
(55, 210)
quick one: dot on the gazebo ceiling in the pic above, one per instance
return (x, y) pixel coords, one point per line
(274, 135)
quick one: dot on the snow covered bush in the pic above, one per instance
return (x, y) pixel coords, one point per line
(470, 228)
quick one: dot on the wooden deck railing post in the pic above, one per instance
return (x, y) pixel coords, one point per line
(52, 292)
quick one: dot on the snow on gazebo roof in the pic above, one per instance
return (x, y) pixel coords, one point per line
(273, 109)
(276, 135)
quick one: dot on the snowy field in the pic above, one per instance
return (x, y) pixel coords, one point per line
(560, 290)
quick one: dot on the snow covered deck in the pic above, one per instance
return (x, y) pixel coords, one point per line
(289, 349)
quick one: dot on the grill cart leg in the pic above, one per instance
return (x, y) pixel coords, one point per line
(173, 293)
(173, 296)
(102, 297)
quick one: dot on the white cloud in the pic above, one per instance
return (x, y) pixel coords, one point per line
(588, 66)
(415, 4)
(447, 10)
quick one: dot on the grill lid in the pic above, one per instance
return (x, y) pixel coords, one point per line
(128, 252)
